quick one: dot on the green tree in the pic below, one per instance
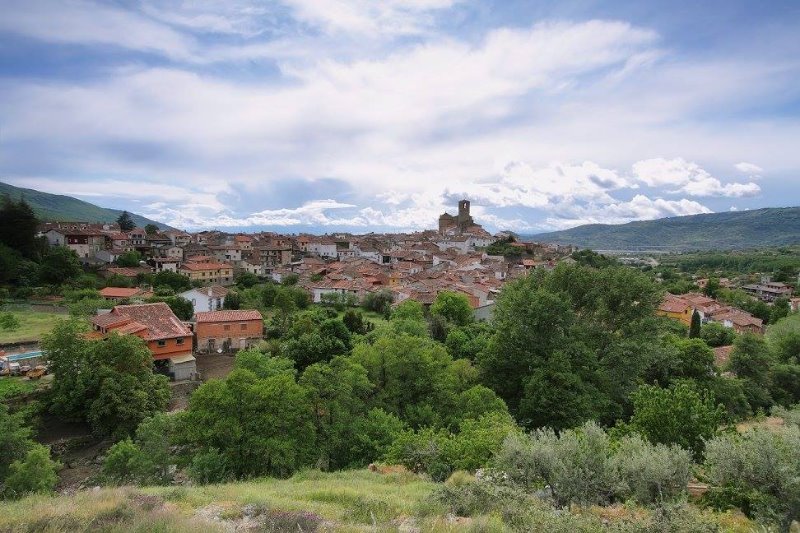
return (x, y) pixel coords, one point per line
(679, 415)
(258, 426)
(16, 438)
(145, 460)
(752, 361)
(34, 474)
(125, 222)
(373, 435)
(178, 282)
(108, 383)
(780, 309)
(59, 265)
(246, 279)
(694, 327)
(151, 229)
(783, 338)
(453, 307)
(712, 288)
(414, 378)
(263, 365)
(715, 334)
(18, 226)
(338, 391)
(233, 300)
(130, 258)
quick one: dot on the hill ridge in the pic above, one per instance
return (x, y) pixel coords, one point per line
(51, 207)
(756, 228)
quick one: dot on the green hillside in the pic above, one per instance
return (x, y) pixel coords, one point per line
(760, 228)
(59, 208)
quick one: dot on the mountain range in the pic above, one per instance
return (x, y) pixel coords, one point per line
(757, 228)
(59, 208)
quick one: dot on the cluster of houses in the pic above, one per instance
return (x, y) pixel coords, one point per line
(682, 307)
(415, 266)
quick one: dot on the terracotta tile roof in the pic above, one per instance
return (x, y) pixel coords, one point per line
(673, 304)
(110, 319)
(119, 292)
(228, 316)
(128, 272)
(157, 319)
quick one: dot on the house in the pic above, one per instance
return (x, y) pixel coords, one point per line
(160, 264)
(768, 291)
(323, 248)
(117, 294)
(208, 272)
(227, 331)
(676, 308)
(740, 321)
(204, 299)
(168, 339)
(85, 243)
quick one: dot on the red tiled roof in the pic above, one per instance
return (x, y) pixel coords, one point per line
(157, 318)
(228, 316)
(119, 292)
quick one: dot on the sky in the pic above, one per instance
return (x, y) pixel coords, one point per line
(379, 115)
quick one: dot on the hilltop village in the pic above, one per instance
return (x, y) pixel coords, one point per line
(409, 265)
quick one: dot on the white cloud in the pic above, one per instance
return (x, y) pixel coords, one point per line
(368, 16)
(750, 169)
(682, 176)
(91, 23)
(640, 207)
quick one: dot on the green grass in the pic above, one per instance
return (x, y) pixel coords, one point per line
(344, 501)
(33, 324)
(14, 386)
(349, 501)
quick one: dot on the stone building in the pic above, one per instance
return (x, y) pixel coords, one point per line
(458, 223)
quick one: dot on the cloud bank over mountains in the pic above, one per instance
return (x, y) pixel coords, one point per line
(358, 114)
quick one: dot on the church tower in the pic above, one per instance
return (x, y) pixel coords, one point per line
(463, 211)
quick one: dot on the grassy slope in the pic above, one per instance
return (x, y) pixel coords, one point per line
(56, 207)
(33, 324)
(347, 501)
(344, 501)
(758, 228)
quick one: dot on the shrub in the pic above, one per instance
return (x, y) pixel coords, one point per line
(576, 465)
(759, 472)
(209, 467)
(651, 473)
(35, 474)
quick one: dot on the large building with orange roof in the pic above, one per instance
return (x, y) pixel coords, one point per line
(167, 338)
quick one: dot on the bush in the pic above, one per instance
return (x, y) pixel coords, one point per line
(576, 465)
(582, 466)
(759, 472)
(35, 474)
(651, 473)
(209, 467)
(9, 322)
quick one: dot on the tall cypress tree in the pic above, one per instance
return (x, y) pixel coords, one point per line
(18, 226)
(125, 222)
(694, 328)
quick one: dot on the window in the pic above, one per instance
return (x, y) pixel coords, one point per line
(179, 342)
(161, 344)
(226, 327)
(243, 326)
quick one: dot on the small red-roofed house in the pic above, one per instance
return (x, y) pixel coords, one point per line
(228, 330)
(167, 338)
(117, 294)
